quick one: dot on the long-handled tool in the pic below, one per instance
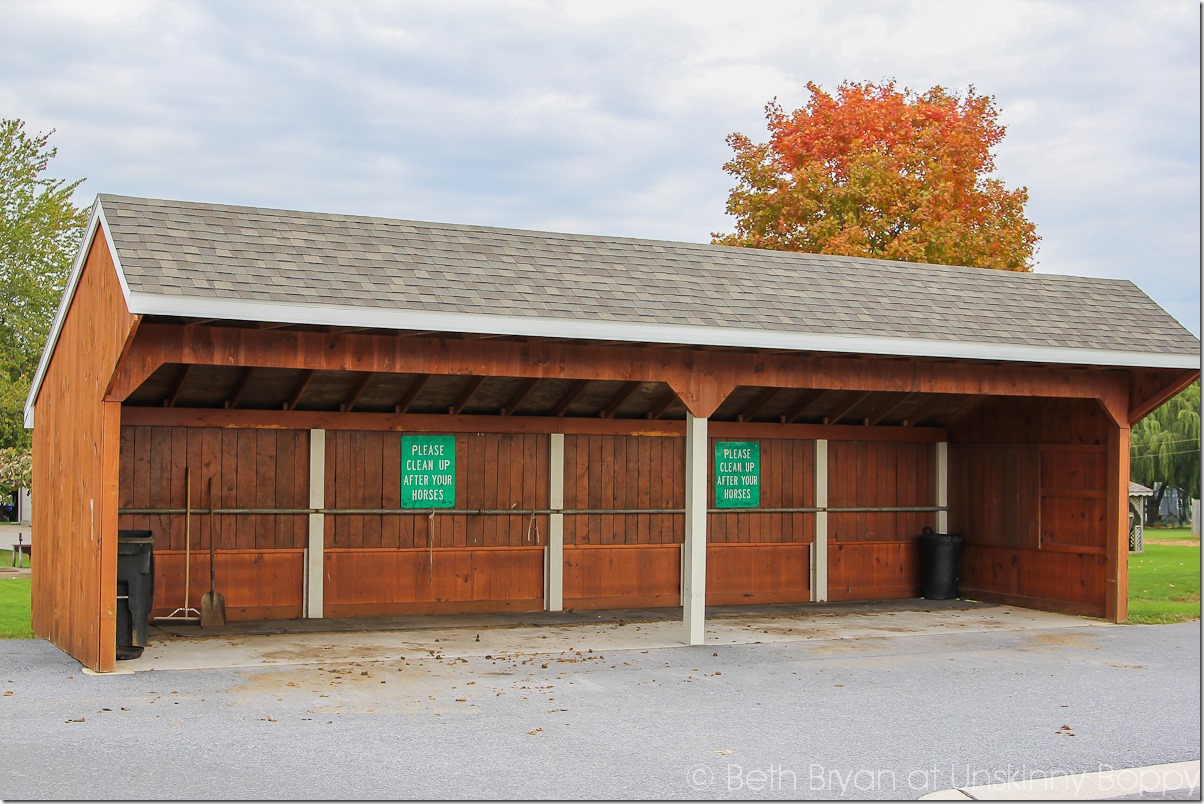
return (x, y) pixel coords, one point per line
(185, 615)
(213, 602)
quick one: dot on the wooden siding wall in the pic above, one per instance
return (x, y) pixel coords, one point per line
(464, 558)
(1028, 489)
(456, 560)
(262, 469)
(787, 481)
(625, 473)
(757, 556)
(874, 555)
(497, 472)
(623, 559)
(364, 582)
(259, 556)
(74, 587)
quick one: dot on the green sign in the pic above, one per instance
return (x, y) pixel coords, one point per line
(737, 474)
(428, 471)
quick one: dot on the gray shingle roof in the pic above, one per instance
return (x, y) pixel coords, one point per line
(209, 251)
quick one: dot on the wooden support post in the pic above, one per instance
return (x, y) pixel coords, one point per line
(1116, 580)
(106, 524)
(315, 554)
(819, 588)
(942, 486)
(694, 551)
(554, 567)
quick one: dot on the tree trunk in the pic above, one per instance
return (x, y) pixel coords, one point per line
(1156, 504)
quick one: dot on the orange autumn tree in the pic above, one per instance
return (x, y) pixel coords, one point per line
(879, 172)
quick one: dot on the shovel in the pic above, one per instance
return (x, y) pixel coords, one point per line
(213, 603)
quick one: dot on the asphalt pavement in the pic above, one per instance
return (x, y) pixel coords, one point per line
(885, 715)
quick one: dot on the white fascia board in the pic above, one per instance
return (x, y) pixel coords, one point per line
(95, 222)
(397, 319)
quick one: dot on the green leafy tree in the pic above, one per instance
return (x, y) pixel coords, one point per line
(875, 171)
(40, 230)
(16, 469)
(1165, 449)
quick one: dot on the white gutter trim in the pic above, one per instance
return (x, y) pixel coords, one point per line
(392, 318)
(96, 221)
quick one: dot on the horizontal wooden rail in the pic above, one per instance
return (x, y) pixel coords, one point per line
(526, 511)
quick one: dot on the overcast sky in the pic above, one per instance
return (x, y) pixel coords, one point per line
(608, 118)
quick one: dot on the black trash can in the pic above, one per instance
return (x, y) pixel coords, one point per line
(940, 564)
(135, 590)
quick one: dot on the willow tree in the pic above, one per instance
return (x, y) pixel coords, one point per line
(1165, 449)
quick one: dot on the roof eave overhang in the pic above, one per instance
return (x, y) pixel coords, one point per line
(635, 332)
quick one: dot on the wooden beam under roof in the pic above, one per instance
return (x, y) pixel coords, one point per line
(473, 384)
(174, 394)
(887, 410)
(758, 402)
(619, 398)
(935, 402)
(411, 393)
(240, 385)
(357, 389)
(569, 397)
(299, 390)
(518, 396)
(701, 378)
(661, 405)
(805, 400)
(841, 412)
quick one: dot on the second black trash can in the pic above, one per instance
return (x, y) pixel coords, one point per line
(940, 564)
(135, 590)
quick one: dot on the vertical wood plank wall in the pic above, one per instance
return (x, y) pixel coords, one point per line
(626, 558)
(624, 497)
(875, 555)
(453, 561)
(1028, 489)
(758, 556)
(259, 556)
(74, 586)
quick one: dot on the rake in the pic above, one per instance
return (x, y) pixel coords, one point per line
(185, 615)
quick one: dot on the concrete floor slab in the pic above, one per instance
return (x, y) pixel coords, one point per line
(464, 638)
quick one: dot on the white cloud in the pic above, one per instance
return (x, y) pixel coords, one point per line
(608, 117)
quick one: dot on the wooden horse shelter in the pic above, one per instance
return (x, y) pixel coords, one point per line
(401, 417)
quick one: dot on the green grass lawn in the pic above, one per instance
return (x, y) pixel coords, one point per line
(1164, 583)
(1169, 534)
(14, 609)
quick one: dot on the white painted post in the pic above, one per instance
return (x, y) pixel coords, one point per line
(554, 554)
(315, 570)
(942, 486)
(694, 570)
(819, 593)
